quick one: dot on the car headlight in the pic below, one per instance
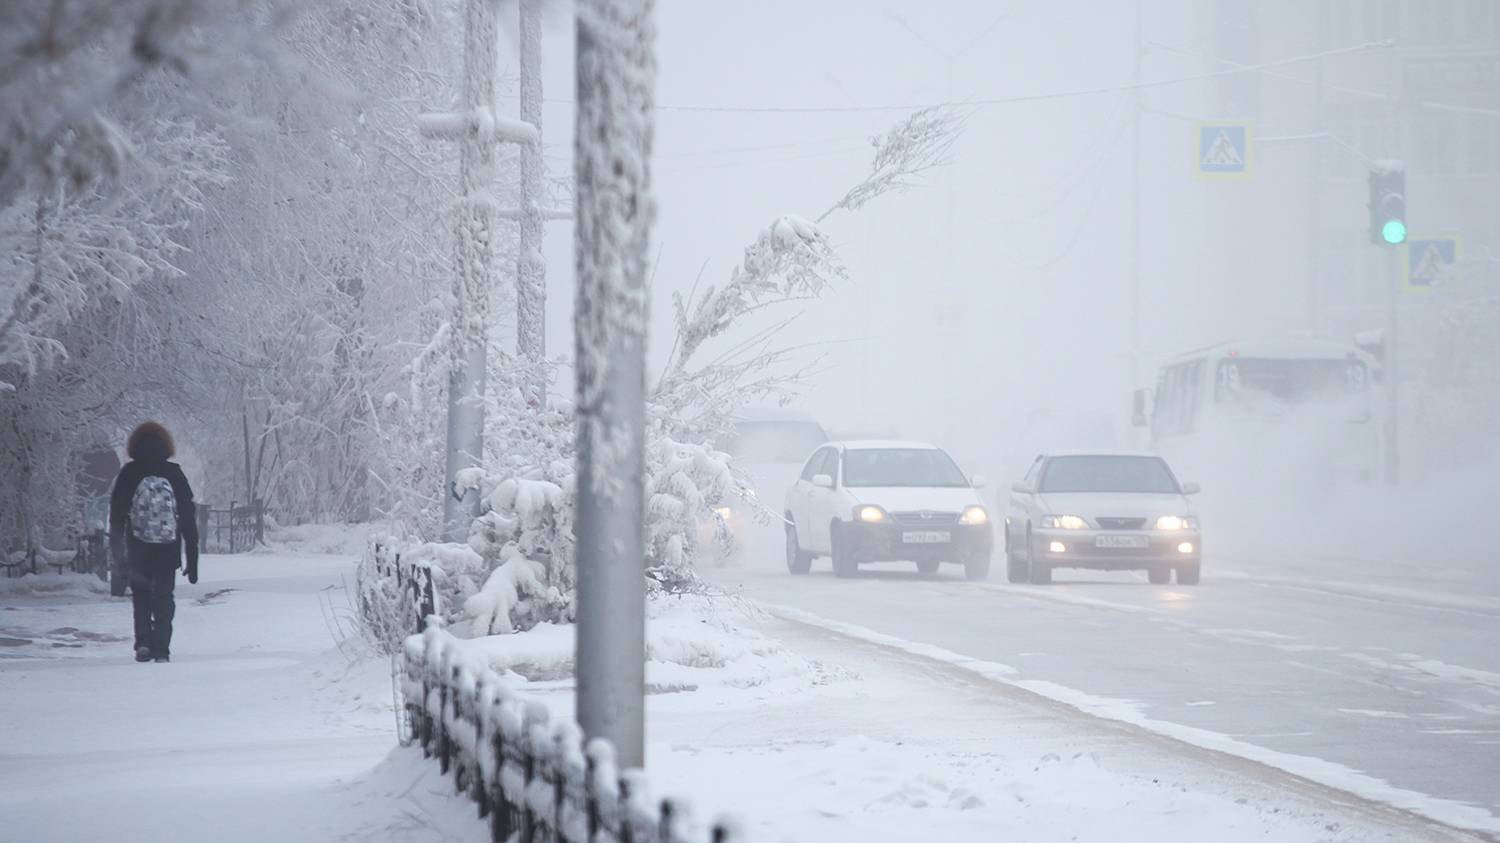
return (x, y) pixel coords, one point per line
(869, 514)
(1176, 522)
(974, 516)
(723, 512)
(1064, 522)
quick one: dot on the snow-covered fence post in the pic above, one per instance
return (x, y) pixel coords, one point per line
(601, 790)
(671, 824)
(616, 74)
(534, 796)
(572, 794)
(638, 823)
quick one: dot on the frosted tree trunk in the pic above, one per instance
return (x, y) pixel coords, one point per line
(531, 269)
(476, 168)
(616, 74)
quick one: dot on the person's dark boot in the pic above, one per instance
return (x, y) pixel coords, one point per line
(143, 654)
(162, 657)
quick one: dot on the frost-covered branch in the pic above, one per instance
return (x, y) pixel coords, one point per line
(917, 144)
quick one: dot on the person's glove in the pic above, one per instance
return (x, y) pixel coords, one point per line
(192, 571)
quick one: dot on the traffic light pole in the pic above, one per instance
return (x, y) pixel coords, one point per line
(1392, 370)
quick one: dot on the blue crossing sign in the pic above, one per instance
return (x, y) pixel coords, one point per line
(1429, 260)
(1223, 150)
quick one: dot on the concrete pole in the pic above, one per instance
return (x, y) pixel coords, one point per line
(474, 256)
(531, 268)
(616, 77)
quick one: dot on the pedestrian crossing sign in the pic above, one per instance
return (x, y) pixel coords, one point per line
(1429, 261)
(1223, 150)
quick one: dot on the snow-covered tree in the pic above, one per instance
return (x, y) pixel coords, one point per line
(525, 533)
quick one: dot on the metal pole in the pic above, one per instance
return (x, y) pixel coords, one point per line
(1135, 206)
(471, 283)
(616, 76)
(531, 284)
(1315, 211)
(1392, 371)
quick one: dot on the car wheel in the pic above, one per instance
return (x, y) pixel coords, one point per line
(1038, 570)
(1015, 567)
(977, 569)
(843, 562)
(1189, 574)
(1159, 576)
(796, 561)
(928, 566)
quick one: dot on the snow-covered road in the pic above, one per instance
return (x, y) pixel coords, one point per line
(1397, 680)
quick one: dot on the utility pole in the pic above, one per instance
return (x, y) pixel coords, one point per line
(531, 268)
(1315, 211)
(616, 78)
(1135, 201)
(473, 128)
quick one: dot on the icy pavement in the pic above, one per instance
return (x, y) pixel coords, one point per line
(259, 729)
(1386, 687)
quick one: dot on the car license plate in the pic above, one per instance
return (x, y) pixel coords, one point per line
(1133, 542)
(927, 537)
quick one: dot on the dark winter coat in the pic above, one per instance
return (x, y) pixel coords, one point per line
(150, 448)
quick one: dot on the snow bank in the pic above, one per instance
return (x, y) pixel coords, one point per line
(50, 583)
(693, 643)
(333, 539)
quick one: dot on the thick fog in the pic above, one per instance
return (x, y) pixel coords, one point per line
(1086, 387)
(993, 300)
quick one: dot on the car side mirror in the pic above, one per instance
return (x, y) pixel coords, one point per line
(1020, 488)
(980, 481)
(1191, 488)
(822, 481)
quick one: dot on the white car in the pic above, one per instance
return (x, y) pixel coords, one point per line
(886, 501)
(1102, 511)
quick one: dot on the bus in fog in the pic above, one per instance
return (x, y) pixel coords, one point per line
(1286, 415)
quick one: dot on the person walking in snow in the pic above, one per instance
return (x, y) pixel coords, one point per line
(151, 523)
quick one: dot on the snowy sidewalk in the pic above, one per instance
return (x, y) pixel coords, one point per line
(259, 728)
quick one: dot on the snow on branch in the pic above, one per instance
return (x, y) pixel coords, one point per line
(482, 123)
(791, 259)
(915, 145)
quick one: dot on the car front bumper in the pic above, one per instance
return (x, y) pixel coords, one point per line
(891, 542)
(1081, 549)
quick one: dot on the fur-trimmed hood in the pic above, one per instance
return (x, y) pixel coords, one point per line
(151, 442)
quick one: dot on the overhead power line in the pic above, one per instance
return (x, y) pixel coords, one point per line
(1017, 98)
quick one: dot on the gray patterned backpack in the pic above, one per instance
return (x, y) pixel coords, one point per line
(153, 511)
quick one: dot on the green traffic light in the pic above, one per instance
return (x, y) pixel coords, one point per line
(1394, 232)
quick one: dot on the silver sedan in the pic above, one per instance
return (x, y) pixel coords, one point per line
(1102, 511)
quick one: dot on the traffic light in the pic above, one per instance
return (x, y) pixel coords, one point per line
(1388, 203)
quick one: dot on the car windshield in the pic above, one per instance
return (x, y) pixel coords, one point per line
(901, 467)
(1145, 475)
(774, 441)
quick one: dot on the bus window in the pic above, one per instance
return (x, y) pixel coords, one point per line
(1289, 381)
